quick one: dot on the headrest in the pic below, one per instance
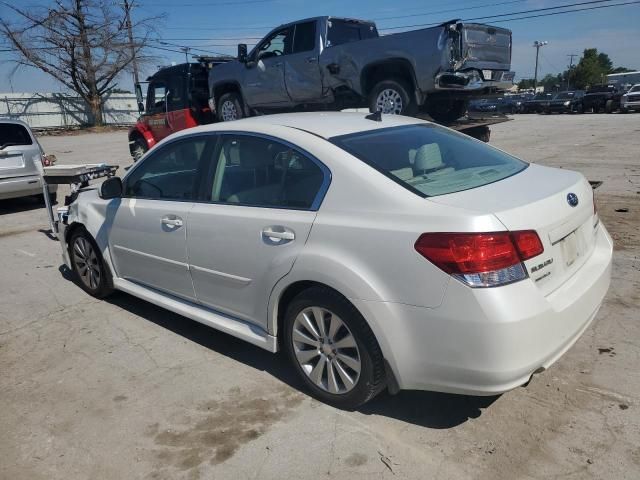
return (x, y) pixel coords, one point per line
(428, 157)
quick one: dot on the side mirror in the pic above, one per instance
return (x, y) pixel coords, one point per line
(242, 53)
(111, 188)
(139, 98)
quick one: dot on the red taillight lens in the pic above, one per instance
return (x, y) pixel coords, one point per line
(470, 256)
(468, 252)
(528, 244)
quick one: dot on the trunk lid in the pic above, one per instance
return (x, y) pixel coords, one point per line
(485, 47)
(18, 161)
(537, 199)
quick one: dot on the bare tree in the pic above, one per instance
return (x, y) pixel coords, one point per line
(81, 43)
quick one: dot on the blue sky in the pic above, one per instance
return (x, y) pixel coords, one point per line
(218, 25)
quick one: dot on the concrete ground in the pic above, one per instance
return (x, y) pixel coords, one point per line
(123, 389)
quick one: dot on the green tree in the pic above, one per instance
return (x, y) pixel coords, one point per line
(591, 69)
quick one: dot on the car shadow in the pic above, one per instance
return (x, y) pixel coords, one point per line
(426, 409)
(22, 204)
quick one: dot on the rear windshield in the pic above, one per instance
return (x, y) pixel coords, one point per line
(345, 31)
(601, 89)
(14, 134)
(430, 160)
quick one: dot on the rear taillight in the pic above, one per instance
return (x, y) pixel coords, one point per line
(481, 259)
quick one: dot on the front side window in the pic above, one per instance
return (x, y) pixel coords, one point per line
(156, 97)
(261, 172)
(430, 160)
(170, 173)
(279, 43)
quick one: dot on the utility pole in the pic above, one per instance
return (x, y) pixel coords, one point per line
(134, 64)
(570, 67)
(537, 44)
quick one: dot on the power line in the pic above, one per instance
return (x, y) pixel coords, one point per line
(218, 4)
(488, 17)
(449, 10)
(568, 11)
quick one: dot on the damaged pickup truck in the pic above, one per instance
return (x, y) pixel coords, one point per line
(328, 63)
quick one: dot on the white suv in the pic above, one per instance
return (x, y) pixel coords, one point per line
(20, 161)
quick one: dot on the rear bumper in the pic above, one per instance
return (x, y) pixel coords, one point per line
(489, 341)
(16, 187)
(473, 80)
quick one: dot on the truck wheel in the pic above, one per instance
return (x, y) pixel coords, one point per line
(447, 111)
(230, 107)
(138, 149)
(392, 97)
(608, 107)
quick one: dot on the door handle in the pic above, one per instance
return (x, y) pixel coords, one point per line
(277, 64)
(312, 59)
(172, 221)
(277, 235)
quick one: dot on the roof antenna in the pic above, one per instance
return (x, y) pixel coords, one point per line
(376, 117)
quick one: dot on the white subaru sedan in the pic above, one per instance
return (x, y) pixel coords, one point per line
(390, 254)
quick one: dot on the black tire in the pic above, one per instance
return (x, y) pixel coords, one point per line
(103, 285)
(446, 110)
(401, 89)
(229, 105)
(371, 379)
(608, 107)
(138, 149)
(53, 198)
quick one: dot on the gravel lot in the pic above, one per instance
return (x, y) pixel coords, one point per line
(123, 389)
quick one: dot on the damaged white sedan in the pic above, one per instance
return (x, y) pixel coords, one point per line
(377, 254)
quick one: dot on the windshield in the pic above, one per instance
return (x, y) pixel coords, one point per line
(601, 88)
(430, 160)
(635, 88)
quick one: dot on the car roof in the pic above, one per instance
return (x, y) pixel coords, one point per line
(14, 120)
(321, 124)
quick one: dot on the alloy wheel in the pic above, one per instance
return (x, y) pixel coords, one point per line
(86, 262)
(389, 101)
(229, 111)
(326, 350)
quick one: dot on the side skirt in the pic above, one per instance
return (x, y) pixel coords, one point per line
(237, 328)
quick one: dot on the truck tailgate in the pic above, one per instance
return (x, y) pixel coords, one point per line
(485, 47)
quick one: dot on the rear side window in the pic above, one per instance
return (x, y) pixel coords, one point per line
(304, 39)
(430, 160)
(261, 172)
(14, 134)
(343, 31)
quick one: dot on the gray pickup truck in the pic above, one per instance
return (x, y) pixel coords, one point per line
(328, 63)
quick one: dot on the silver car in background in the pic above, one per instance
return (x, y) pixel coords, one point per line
(21, 159)
(376, 252)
